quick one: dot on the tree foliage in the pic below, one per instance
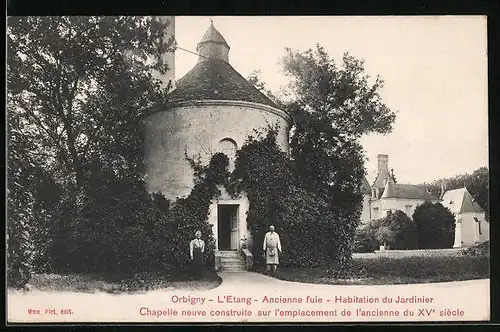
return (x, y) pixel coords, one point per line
(265, 173)
(436, 226)
(364, 240)
(78, 83)
(341, 94)
(332, 106)
(20, 201)
(74, 87)
(396, 230)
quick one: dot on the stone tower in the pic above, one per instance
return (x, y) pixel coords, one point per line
(212, 109)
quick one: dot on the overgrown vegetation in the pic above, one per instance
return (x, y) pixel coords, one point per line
(316, 201)
(364, 240)
(302, 218)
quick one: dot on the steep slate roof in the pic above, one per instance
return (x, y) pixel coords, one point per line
(213, 35)
(365, 186)
(379, 181)
(216, 79)
(388, 190)
(407, 191)
(460, 201)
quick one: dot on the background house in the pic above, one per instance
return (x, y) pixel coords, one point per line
(387, 195)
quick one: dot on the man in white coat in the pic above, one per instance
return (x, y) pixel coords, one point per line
(272, 249)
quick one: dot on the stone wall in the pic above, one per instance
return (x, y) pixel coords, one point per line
(197, 128)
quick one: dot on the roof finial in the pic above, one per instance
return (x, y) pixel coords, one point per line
(211, 21)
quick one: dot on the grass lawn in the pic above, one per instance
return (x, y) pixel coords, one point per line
(388, 270)
(92, 283)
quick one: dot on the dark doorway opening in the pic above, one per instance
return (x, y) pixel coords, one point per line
(227, 216)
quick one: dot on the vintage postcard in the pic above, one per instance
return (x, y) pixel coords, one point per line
(247, 169)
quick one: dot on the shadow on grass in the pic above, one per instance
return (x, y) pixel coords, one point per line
(114, 284)
(392, 271)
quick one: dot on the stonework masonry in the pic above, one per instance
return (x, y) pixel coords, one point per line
(197, 127)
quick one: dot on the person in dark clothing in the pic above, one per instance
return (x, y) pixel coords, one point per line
(196, 250)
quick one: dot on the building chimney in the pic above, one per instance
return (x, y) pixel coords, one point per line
(383, 164)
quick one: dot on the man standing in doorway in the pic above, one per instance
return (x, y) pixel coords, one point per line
(272, 249)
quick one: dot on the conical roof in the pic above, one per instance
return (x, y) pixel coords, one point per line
(216, 79)
(213, 35)
(388, 190)
(213, 78)
(365, 186)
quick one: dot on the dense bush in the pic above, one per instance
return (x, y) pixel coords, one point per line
(364, 240)
(117, 227)
(436, 226)
(397, 230)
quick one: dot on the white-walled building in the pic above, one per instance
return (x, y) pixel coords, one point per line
(470, 223)
(470, 220)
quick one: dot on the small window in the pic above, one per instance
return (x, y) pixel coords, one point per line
(478, 225)
(408, 209)
(228, 147)
(375, 212)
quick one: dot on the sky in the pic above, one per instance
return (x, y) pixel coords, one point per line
(434, 69)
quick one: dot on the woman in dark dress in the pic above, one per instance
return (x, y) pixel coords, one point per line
(196, 249)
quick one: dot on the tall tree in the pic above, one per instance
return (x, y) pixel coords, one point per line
(340, 93)
(78, 82)
(333, 105)
(75, 86)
